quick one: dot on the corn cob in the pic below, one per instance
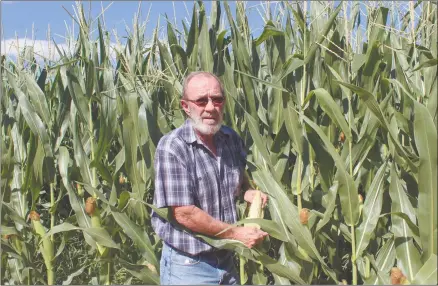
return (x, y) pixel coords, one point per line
(15, 241)
(150, 266)
(94, 213)
(80, 190)
(255, 210)
(360, 204)
(397, 277)
(304, 216)
(46, 247)
(122, 179)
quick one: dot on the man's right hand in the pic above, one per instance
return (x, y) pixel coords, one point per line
(250, 236)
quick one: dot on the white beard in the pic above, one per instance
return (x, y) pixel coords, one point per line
(205, 129)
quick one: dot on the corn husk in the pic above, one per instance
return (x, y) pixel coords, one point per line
(255, 210)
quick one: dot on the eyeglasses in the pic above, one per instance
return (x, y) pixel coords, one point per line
(202, 102)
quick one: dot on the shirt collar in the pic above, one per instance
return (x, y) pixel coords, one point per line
(188, 132)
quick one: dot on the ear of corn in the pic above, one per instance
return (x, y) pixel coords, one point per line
(304, 216)
(46, 246)
(92, 210)
(255, 210)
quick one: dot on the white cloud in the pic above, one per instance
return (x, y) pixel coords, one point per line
(42, 49)
(8, 2)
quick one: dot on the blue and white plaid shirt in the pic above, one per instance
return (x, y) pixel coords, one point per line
(187, 173)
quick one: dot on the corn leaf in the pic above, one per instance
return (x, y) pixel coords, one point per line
(425, 139)
(371, 210)
(347, 189)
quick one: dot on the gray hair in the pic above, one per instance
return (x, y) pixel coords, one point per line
(191, 75)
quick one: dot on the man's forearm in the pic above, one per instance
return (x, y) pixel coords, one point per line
(201, 222)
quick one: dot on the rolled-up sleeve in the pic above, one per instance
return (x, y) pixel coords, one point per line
(173, 183)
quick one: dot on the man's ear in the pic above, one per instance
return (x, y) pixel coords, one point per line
(185, 106)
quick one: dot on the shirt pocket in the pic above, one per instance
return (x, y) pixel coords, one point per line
(206, 188)
(234, 178)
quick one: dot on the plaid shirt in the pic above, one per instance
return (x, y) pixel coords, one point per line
(187, 173)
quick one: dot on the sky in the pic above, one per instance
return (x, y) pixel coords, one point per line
(28, 22)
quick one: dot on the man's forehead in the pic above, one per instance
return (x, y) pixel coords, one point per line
(203, 79)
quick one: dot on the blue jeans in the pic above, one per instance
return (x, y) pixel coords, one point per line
(177, 267)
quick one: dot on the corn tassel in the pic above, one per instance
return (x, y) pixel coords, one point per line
(46, 247)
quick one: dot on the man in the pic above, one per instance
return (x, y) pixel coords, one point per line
(199, 171)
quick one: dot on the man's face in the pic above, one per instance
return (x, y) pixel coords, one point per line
(204, 103)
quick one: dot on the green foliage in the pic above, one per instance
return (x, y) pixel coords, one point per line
(326, 117)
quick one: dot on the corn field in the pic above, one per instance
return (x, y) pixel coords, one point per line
(339, 118)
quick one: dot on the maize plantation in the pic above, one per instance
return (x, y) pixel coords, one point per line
(339, 118)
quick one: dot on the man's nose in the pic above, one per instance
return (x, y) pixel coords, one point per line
(209, 105)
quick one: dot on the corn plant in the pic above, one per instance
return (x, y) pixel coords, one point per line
(338, 115)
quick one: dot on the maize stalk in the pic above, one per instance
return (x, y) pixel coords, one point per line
(46, 247)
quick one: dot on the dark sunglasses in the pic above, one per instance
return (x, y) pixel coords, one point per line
(202, 102)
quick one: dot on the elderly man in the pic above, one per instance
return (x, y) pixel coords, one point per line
(199, 171)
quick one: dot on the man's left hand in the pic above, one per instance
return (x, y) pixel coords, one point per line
(249, 196)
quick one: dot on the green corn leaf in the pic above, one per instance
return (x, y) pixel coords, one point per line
(268, 31)
(38, 99)
(271, 264)
(425, 140)
(80, 156)
(269, 226)
(138, 235)
(407, 254)
(370, 101)
(331, 204)
(206, 54)
(330, 107)
(141, 272)
(289, 217)
(312, 51)
(77, 206)
(427, 275)
(258, 140)
(382, 264)
(347, 189)
(426, 64)
(293, 127)
(371, 210)
(411, 225)
(63, 227)
(73, 275)
(101, 236)
(32, 119)
(78, 95)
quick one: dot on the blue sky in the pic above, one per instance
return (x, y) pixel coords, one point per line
(18, 18)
